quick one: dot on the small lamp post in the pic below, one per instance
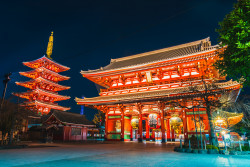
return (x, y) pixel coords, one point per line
(5, 82)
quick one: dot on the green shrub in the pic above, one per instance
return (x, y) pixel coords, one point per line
(212, 147)
(245, 148)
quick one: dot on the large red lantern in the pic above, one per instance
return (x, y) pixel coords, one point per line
(154, 121)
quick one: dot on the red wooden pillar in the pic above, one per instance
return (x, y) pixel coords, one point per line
(64, 131)
(153, 135)
(106, 126)
(161, 107)
(122, 108)
(173, 136)
(131, 130)
(184, 119)
(140, 127)
(139, 108)
(168, 130)
(147, 131)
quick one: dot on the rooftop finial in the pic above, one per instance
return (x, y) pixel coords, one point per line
(50, 46)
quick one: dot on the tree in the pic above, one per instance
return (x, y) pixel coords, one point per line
(242, 106)
(206, 96)
(12, 117)
(234, 36)
(99, 119)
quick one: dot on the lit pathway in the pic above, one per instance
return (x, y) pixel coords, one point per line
(119, 154)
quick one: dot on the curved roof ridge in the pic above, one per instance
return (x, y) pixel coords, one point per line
(45, 57)
(161, 50)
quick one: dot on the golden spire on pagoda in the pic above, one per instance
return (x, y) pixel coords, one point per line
(50, 46)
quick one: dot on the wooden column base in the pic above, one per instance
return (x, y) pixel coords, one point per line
(163, 141)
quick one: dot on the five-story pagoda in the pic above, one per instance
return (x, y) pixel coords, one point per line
(44, 83)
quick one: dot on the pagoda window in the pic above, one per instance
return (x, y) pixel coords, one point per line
(155, 78)
(144, 79)
(46, 109)
(166, 75)
(120, 84)
(42, 97)
(194, 71)
(136, 80)
(128, 81)
(46, 98)
(186, 72)
(111, 112)
(48, 87)
(40, 109)
(174, 74)
(114, 83)
(43, 86)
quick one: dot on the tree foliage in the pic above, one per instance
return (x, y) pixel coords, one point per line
(12, 118)
(234, 36)
(242, 106)
(99, 118)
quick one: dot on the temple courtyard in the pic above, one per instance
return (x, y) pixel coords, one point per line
(113, 154)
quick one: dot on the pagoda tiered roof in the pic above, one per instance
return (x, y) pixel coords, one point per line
(33, 74)
(154, 95)
(44, 83)
(31, 84)
(45, 104)
(41, 62)
(56, 96)
(167, 56)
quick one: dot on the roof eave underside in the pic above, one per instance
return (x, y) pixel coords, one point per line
(161, 96)
(43, 68)
(53, 106)
(42, 92)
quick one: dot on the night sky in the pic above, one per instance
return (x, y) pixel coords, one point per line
(88, 33)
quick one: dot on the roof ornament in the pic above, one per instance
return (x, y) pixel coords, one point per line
(50, 46)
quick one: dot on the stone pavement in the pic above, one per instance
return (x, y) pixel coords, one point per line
(113, 154)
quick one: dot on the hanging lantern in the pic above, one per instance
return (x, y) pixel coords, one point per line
(175, 121)
(153, 121)
(135, 123)
(118, 126)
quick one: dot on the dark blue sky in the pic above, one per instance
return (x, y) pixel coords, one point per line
(87, 34)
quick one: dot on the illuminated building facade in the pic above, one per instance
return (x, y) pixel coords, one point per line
(142, 91)
(44, 83)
